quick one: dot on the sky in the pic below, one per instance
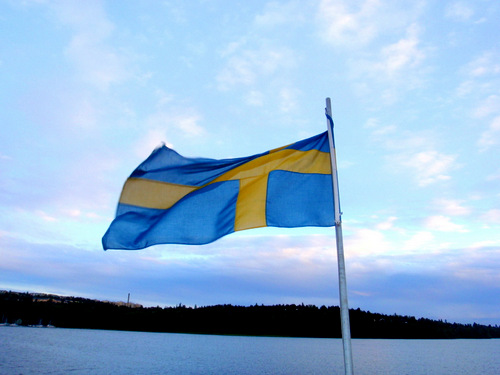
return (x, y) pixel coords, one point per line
(90, 88)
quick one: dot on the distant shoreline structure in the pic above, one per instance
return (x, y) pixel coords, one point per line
(39, 310)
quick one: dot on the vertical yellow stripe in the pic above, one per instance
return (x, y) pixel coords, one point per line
(251, 204)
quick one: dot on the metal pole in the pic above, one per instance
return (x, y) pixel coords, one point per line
(344, 306)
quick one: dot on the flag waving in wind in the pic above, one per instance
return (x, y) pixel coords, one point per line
(170, 199)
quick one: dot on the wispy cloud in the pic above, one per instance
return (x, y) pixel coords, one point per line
(167, 126)
(481, 74)
(414, 152)
(255, 98)
(443, 224)
(420, 241)
(492, 217)
(98, 62)
(344, 25)
(246, 66)
(459, 11)
(367, 241)
(430, 166)
(482, 77)
(490, 105)
(387, 224)
(401, 55)
(354, 25)
(486, 64)
(280, 13)
(491, 136)
(393, 69)
(261, 66)
(452, 207)
(289, 98)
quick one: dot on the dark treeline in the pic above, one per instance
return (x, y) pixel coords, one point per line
(278, 320)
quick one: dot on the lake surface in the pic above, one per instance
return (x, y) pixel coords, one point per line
(25, 350)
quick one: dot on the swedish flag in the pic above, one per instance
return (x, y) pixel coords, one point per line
(170, 199)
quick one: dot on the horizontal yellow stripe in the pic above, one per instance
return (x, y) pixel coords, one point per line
(312, 161)
(162, 195)
(153, 194)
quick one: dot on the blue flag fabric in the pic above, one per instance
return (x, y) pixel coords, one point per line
(171, 199)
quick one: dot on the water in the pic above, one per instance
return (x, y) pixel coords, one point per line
(25, 350)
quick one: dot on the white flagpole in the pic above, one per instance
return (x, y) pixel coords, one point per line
(344, 307)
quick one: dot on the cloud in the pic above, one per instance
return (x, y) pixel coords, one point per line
(97, 62)
(459, 11)
(386, 53)
(387, 239)
(420, 241)
(278, 14)
(357, 24)
(491, 136)
(480, 89)
(494, 176)
(152, 139)
(387, 224)
(255, 98)
(478, 263)
(488, 106)
(443, 223)
(366, 242)
(44, 216)
(289, 98)
(492, 217)
(392, 69)
(247, 269)
(486, 64)
(169, 122)
(5, 157)
(451, 207)
(247, 66)
(166, 125)
(58, 107)
(401, 55)
(481, 79)
(413, 152)
(430, 166)
(437, 282)
(378, 130)
(265, 62)
(341, 25)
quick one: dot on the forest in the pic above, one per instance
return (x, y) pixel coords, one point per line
(42, 310)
